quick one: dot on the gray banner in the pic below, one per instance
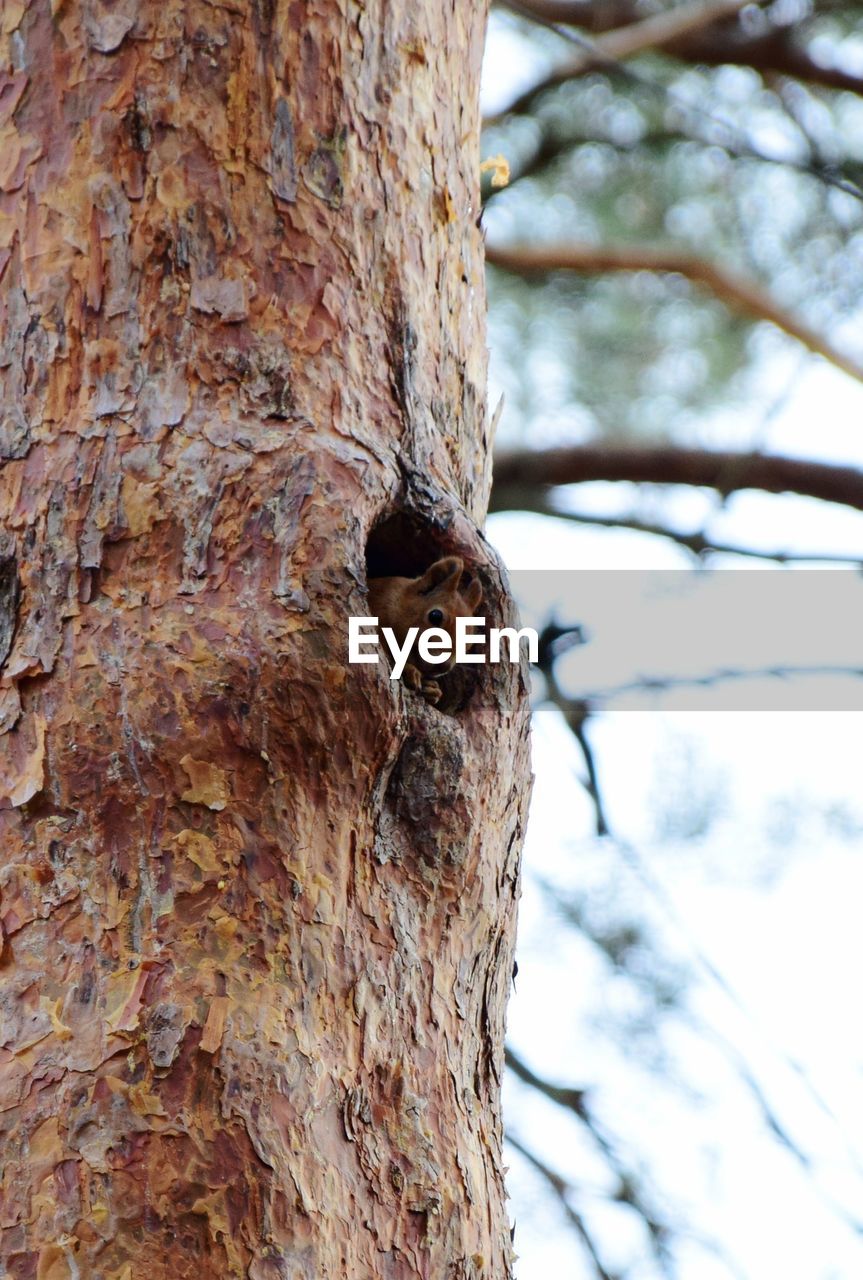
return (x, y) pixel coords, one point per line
(708, 640)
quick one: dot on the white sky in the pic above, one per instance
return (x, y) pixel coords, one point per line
(782, 928)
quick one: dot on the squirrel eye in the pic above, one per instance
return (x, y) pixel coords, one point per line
(435, 617)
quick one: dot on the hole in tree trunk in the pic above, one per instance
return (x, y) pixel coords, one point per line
(404, 545)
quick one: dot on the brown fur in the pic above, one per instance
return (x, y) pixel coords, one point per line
(402, 603)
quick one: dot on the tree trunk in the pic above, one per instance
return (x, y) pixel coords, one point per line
(257, 903)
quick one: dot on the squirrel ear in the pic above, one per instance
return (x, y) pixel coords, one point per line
(439, 573)
(472, 594)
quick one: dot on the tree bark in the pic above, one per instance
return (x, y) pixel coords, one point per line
(257, 904)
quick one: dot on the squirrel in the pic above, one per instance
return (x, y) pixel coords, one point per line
(445, 591)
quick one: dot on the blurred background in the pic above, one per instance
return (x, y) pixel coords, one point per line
(673, 209)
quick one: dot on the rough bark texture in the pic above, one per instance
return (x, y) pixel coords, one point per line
(257, 904)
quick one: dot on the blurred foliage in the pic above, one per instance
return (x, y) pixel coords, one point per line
(720, 162)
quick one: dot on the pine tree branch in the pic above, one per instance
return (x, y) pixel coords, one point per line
(654, 32)
(520, 474)
(705, 37)
(594, 15)
(620, 43)
(736, 292)
(776, 52)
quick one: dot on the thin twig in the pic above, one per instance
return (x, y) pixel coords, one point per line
(698, 543)
(563, 1189)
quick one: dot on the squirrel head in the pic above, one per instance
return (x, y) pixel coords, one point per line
(445, 591)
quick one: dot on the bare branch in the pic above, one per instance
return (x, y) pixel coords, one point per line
(627, 1190)
(718, 675)
(626, 40)
(713, 41)
(563, 1189)
(661, 29)
(602, 16)
(605, 51)
(573, 1099)
(698, 543)
(520, 473)
(576, 713)
(736, 292)
(775, 51)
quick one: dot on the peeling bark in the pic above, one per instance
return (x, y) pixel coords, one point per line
(256, 905)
